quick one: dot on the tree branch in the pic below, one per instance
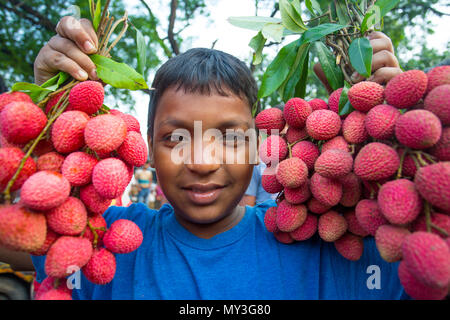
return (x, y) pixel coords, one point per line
(41, 20)
(170, 33)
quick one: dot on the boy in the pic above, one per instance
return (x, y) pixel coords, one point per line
(203, 245)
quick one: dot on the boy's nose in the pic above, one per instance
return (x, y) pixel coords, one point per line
(204, 160)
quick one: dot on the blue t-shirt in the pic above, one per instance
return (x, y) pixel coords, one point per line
(255, 187)
(245, 262)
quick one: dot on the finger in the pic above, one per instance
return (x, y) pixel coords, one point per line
(72, 29)
(377, 35)
(383, 75)
(69, 49)
(381, 44)
(57, 61)
(87, 26)
(384, 59)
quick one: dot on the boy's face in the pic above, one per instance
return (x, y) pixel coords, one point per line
(201, 189)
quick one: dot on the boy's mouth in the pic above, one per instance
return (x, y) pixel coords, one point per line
(203, 194)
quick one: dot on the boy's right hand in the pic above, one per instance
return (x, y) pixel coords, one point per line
(68, 51)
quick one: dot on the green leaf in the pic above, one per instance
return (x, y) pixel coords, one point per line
(313, 7)
(300, 89)
(344, 104)
(97, 14)
(274, 31)
(35, 92)
(290, 18)
(341, 11)
(376, 13)
(91, 7)
(360, 53)
(257, 43)
(278, 69)
(252, 23)
(333, 72)
(141, 52)
(288, 88)
(320, 31)
(56, 81)
(118, 75)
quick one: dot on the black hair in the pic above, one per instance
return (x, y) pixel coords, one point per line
(204, 71)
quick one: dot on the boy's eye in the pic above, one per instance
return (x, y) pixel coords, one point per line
(175, 138)
(233, 139)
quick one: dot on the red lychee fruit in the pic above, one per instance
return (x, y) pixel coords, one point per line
(68, 131)
(388, 240)
(51, 161)
(133, 150)
(101, 268)
(70, 218)
(55, 294)
(8, 97)
(406, 89)
(290, 216)
(350, 246)
(100, 226)
(369, 215)
(333, 100)
(433, 184)
(53, 101)
(51, 283)
(110, 178)
(294, 134)
(44, 146)
(292, 172)
(353, 225)
(437, 101)
(354, 129)
(10, 159)
(78, 167)
(351, 190)
(439, 220)
(105, 133)
(123, 236)
(271, 120)
(331, 226)
(441, 149)
(427, 257)
(295, 112)
(365, 95)
(297, 195)
(380, 121)
(45, 190)
(334, 163)
(93, 201)
(66, 255)
(49, 240)
(318, 104)
(131, 122)
(376, 161)
(87, 96)
(270, 219)
(21, 229)
(335, 143)
(317, 207)
(306, 151)
(323, 124)
(273, 149)
(283, 237)
(418, 129)
(438, 76)
(269, 181)
(21, 122)
(306, 230)
(326, 190)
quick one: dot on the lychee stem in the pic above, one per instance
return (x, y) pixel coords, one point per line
(402, 159)
(427, 216)
(422, 162)
(429, 157)
(416, 163)
(444, 232)
(94, 232)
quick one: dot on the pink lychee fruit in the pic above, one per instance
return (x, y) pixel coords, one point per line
(51, 161)
(389, 239)
(93, 201)
(131, 122)
(350, 246)
(433, 184)
(273, 150)
(438, 103)
(110, 178)
(99, 224)
(105, 133)
(292, 172)
(283, 237)
(10, 159)
(335, 143)
(317, 207)
(333, 100)
(380, 121)
(438, 76)
(365, 95)
(294, 134)
(123, 236)
(353, 224)
(439, 220)
(354, 129)
(318, 104)
(295, 112)
(369, 215)
(271, 120)
(16, 96)
(351, 190)
(87, 96)
(334, 163)
(331, 226)
(306, 230)
(133, 150)
(326, 190)
(306, 151)
(68, 131)
(323, 124)
(49, 240)
(297, 195)
(101, 267)
(70, 218)
(270, 219)
(78, 167)
(290, 216)
(441, 150)
(376, 161)
(406, 89)
(269, 181)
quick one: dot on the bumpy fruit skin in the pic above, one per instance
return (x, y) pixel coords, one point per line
(333, 100)
(294, 134)
(271, 120)
(365, 95)
(270, 219)
(53, 101)
(295, 112)
(399, 201)
(376, 161)
(68, 131)
(283, 237)
(353, 225)
(437, 101)
(49, 284)
(110, 178)
(96, 221)
(51, 161)
(335, 143)
(68, 219)
(306, 230)
(415, 288)
(327, 191)
(93, 201)
(441, 149)
(354, 129)
(105, 133)
(369, 215)
(406, 89)
(317, 207)
(438, 76)
(21, 122)
(49, 240)
(351, 190)
(10, 159)
(306, 151)
(101, 268)
(44, 146)
(45, 190)
(323, 124)
(297, 195)
(334, 163)
(87, 96)
(438, 219)
(388, 240)
(292, 172)
(6, 98)
(380, 121)
(290, 216)
(427, 257)
(350, 246)
(55, 294)
(21, 229)
(131, 122)
(123, 236)
(269, 181)
(133, 150)
(66, 254)
(418, 129)
(78, 167)
(433, 184)
(273, 149)
(318, 104)
(331, 226)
